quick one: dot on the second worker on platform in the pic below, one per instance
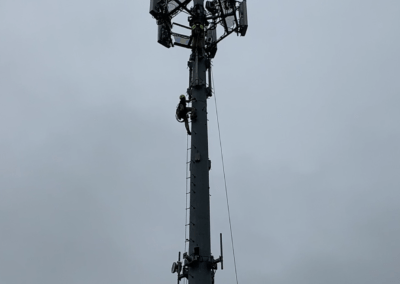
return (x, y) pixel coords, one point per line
(182, 112)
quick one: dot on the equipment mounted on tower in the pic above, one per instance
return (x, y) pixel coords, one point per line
(230, 14)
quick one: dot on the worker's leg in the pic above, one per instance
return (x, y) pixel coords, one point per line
(187, 126)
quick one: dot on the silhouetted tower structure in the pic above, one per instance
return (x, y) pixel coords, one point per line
(198, 264)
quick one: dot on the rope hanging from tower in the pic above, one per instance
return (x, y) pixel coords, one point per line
(225, 183)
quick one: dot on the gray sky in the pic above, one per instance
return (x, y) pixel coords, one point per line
(92, 161)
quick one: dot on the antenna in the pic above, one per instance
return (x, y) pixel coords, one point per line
(179, 267)
(222, 253)
(202, 40)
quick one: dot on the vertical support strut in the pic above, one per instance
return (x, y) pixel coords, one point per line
(199, 232)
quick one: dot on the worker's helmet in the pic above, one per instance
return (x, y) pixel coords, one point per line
(182, 97)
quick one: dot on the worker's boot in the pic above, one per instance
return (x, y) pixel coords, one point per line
(187, 127)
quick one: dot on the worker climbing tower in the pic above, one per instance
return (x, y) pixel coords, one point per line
(198, 264)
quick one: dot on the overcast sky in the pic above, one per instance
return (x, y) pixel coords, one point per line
(92, 161)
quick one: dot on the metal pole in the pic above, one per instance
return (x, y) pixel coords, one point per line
(199, 232)
(199, 266)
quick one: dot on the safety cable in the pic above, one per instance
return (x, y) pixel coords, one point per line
(187, 171)
(187, 192)
(186, 178)
(223, 170)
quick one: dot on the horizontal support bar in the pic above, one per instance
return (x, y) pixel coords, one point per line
(182, 26)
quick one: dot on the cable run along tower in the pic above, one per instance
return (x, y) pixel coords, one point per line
(198, 265)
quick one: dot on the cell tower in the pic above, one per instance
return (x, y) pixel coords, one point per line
(198, 264)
